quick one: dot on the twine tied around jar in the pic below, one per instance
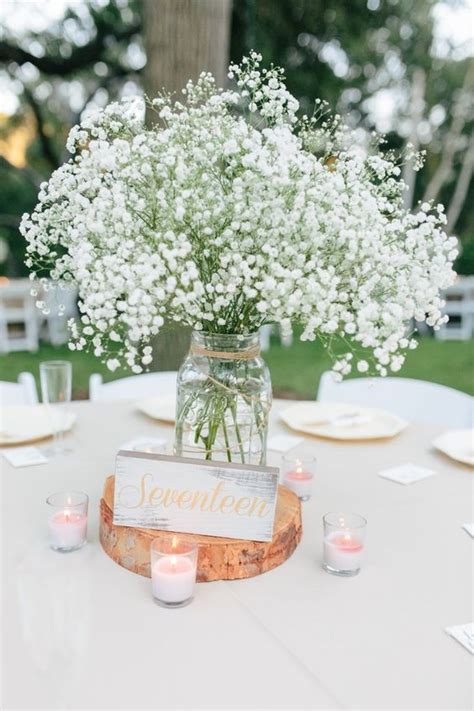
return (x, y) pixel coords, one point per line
(249, 354)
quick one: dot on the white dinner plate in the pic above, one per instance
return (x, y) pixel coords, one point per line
(159, 408)
(457, 444)
(28, 423)
(335, 420)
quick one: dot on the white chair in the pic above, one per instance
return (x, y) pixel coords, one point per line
(460, 309)
(56, 324)
(135, 387)
(21, 393)
(18, 317)
(266, 332)
(414, 400)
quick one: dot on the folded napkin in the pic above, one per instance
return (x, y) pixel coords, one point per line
(283, 443)
(339, 416)
(24, 456)
(329, 413)
(406, 473)
(464, 634)
(469, 527)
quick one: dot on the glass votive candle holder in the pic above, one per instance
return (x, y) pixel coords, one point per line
(298, 473)
(344, 543)
(173, 571)
(67, 520)
(150, 446)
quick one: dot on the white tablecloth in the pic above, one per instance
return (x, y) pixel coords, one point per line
(80, 632)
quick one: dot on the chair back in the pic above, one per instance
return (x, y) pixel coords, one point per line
(414, 400)
(21, 393)
(135, 387)
(18, 317)
(56, 324)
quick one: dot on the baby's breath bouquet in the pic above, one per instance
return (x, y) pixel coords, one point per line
(232, 212)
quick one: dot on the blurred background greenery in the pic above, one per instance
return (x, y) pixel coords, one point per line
(402, 67)
(295, 371)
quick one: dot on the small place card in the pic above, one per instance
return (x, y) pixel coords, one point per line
(24, 456)
(464, 634)
(469, 527)
(283, 443)
(406, 473)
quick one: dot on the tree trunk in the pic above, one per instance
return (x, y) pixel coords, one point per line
(460, 113)
(462, 186)
(417, 103)
(170, 347)
(184, 38)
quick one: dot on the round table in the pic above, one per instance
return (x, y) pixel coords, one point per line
(81, 632)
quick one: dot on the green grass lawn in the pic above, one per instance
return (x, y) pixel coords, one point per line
(295, 371)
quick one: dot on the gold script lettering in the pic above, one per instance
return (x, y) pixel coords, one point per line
(167, 499)
(195, 498)
(258, 503)
(227, 504)
(217, 491)
(155, 495)
(183, 498)
(213, 501)
(241, 505)
(140, 490)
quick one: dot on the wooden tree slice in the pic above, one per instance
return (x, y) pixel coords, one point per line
(219, 558)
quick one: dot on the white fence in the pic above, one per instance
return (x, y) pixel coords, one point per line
(22, 324)
(460, 309)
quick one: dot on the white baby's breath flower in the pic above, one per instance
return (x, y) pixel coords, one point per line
(226, 220)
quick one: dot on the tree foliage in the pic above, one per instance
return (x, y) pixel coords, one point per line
(377, 61)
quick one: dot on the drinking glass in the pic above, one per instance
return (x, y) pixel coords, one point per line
(56, 385)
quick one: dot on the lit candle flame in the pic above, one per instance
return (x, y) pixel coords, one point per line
(298, 466)
(174, 542)
(67, 512)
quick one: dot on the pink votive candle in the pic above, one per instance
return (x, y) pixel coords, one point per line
(67, 522)
(298, 475)
(344, 543)
(173, 571)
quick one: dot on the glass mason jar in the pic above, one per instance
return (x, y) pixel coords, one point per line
(224, 398)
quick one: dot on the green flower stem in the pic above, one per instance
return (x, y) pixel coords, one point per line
(233, 409)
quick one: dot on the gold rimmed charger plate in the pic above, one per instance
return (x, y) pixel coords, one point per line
(458, 445)
(29, 423)
(320, 420)
(159, 408)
